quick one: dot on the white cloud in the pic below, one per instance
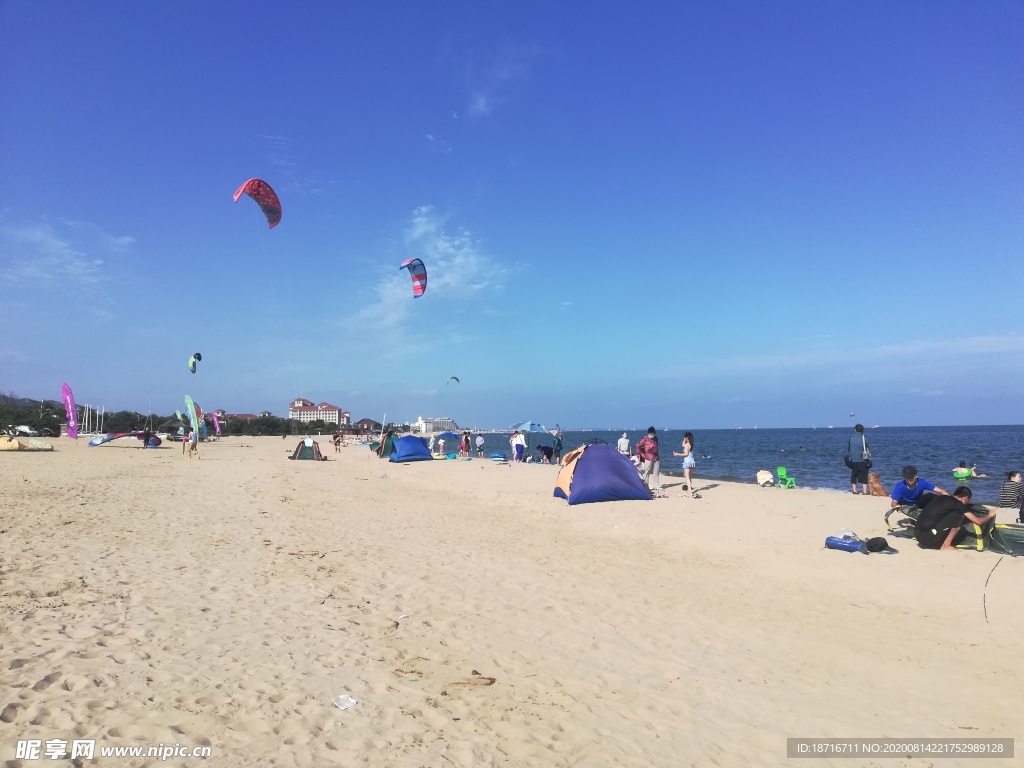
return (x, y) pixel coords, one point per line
(480, 105)
(458, 270)
(493, 83)
(456, 263)
(40, 256)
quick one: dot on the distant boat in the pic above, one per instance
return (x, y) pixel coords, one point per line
(830, 426)
(874, 426)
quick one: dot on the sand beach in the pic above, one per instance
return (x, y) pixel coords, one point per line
(478, 621)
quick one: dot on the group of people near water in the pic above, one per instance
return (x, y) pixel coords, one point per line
(942, 515)
(546, 454)
(647, 458)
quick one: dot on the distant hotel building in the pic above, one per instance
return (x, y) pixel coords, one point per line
(303, 410)
(441, 424)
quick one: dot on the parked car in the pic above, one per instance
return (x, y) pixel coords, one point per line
(21, 431)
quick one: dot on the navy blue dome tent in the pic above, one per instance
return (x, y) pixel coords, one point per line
(599, 473)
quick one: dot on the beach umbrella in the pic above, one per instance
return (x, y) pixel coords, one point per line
(532, 426)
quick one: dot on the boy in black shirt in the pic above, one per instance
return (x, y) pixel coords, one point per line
(939, 524)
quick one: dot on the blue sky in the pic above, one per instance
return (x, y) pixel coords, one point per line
(696, 215)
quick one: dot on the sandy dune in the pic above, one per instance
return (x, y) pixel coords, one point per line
(148, 598)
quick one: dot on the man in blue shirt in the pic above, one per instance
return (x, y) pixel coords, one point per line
(911, 489)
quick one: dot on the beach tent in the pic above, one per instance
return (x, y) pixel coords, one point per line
(389, 444)
(410, 448)
(599, 473)
(308, 450)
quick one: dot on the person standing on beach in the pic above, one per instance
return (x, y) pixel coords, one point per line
(466, 445)
(556, 449)
(480, 446)
(858, 459)
(622, 446)
(688, 462)
(647, 450)
(519, 446)
(193, 444)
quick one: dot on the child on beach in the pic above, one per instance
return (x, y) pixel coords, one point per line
(688, 462)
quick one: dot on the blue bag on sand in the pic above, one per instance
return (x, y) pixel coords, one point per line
(846, 544)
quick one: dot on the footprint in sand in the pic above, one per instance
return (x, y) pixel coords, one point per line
(47, 681)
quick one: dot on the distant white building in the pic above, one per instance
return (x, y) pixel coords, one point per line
(305, 411)
(439, 424)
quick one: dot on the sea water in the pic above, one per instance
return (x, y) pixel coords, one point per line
(814, 457)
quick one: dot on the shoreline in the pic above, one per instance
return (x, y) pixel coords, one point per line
(228, 600)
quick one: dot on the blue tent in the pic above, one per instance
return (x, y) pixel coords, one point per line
(410, 448)
(599, 473)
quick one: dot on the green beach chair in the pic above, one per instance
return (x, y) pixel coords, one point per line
(785, 481)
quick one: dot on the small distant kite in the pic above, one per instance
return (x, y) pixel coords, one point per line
(265, 196)
(852, 415)
(451, 379)
(418, 273)
(193, 360)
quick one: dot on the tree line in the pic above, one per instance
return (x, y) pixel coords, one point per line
(47, 418)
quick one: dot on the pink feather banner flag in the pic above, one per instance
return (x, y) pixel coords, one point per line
(216, 423)
(70, 410)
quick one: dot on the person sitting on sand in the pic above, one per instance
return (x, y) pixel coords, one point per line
(939, 526)
(546, 452)
(913, 489)
(1012, 492)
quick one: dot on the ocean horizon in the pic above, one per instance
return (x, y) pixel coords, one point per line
(814, 456)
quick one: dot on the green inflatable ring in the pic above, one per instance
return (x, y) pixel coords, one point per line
(962, 474)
